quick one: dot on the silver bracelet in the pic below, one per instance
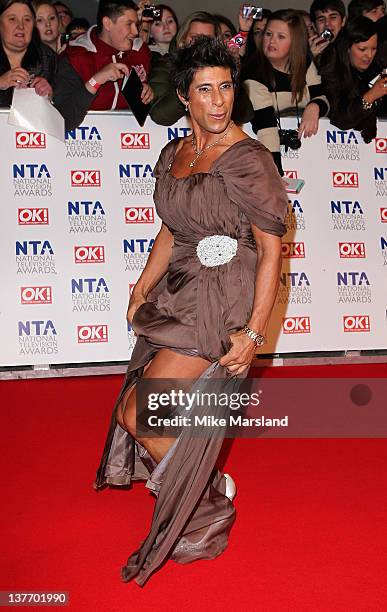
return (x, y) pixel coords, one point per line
(366, 105)
(257, 338)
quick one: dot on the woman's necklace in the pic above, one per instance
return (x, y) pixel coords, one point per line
(199, 153)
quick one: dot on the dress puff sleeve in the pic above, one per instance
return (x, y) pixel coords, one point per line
(165, 158)
(253, 183)
(160, 172)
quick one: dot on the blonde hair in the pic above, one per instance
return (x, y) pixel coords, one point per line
(200, 16)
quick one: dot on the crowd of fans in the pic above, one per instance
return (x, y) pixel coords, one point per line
(322, 63)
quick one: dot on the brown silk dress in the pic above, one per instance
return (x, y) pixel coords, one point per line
(193, 310)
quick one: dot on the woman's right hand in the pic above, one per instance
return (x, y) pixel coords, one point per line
(378, 90)
(244, 23)
(16, 77)
(135, 302)
(317, 44)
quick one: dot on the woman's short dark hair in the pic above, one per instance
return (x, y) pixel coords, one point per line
(359, 30)
(204, 52)
(77, 23)
(5, 4)
(113, 10)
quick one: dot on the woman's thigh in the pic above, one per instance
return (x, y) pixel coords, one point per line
(166, 365)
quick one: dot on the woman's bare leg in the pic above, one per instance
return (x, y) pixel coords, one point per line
(165, 364)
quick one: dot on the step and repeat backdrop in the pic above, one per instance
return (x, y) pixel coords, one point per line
(78, 223)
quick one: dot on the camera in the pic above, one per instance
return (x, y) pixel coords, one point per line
(236, 42)
(289, 139)
(152, 12)
(326, 34)
(254, 12)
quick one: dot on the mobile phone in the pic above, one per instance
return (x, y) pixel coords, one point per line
(152, 12)
(253, 12)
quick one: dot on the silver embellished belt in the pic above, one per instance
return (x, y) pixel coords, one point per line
(216, 250)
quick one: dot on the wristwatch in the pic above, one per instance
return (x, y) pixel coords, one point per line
(257, 338)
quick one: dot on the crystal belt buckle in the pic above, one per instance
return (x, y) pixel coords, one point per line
(216, 250)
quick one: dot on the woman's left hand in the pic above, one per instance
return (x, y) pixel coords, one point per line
(147, 94)
(241, 354)
(42, 87)
(309, 122)
(245, 23)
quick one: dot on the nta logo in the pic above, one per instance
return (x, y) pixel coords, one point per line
(341, 137)
(34, 247)
(92, 333)
(85, 178)
(83, 133)
(36, 328)
(296, 325)
(135, 140)
(383, 215)
(356, 323)
(30, 171)
(30, 140)
(345, 179)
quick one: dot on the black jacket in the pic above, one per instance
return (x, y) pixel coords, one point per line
(71, 97)
(345, 99)
(38, 60)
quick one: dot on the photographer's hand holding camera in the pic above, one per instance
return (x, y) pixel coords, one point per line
(317, 44)
(248, 16)
(145, 19)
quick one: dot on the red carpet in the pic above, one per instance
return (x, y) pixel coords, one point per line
(311, 530)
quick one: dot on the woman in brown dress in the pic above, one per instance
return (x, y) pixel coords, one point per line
(200, 308)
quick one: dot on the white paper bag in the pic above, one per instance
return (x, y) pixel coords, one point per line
(35, 113)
